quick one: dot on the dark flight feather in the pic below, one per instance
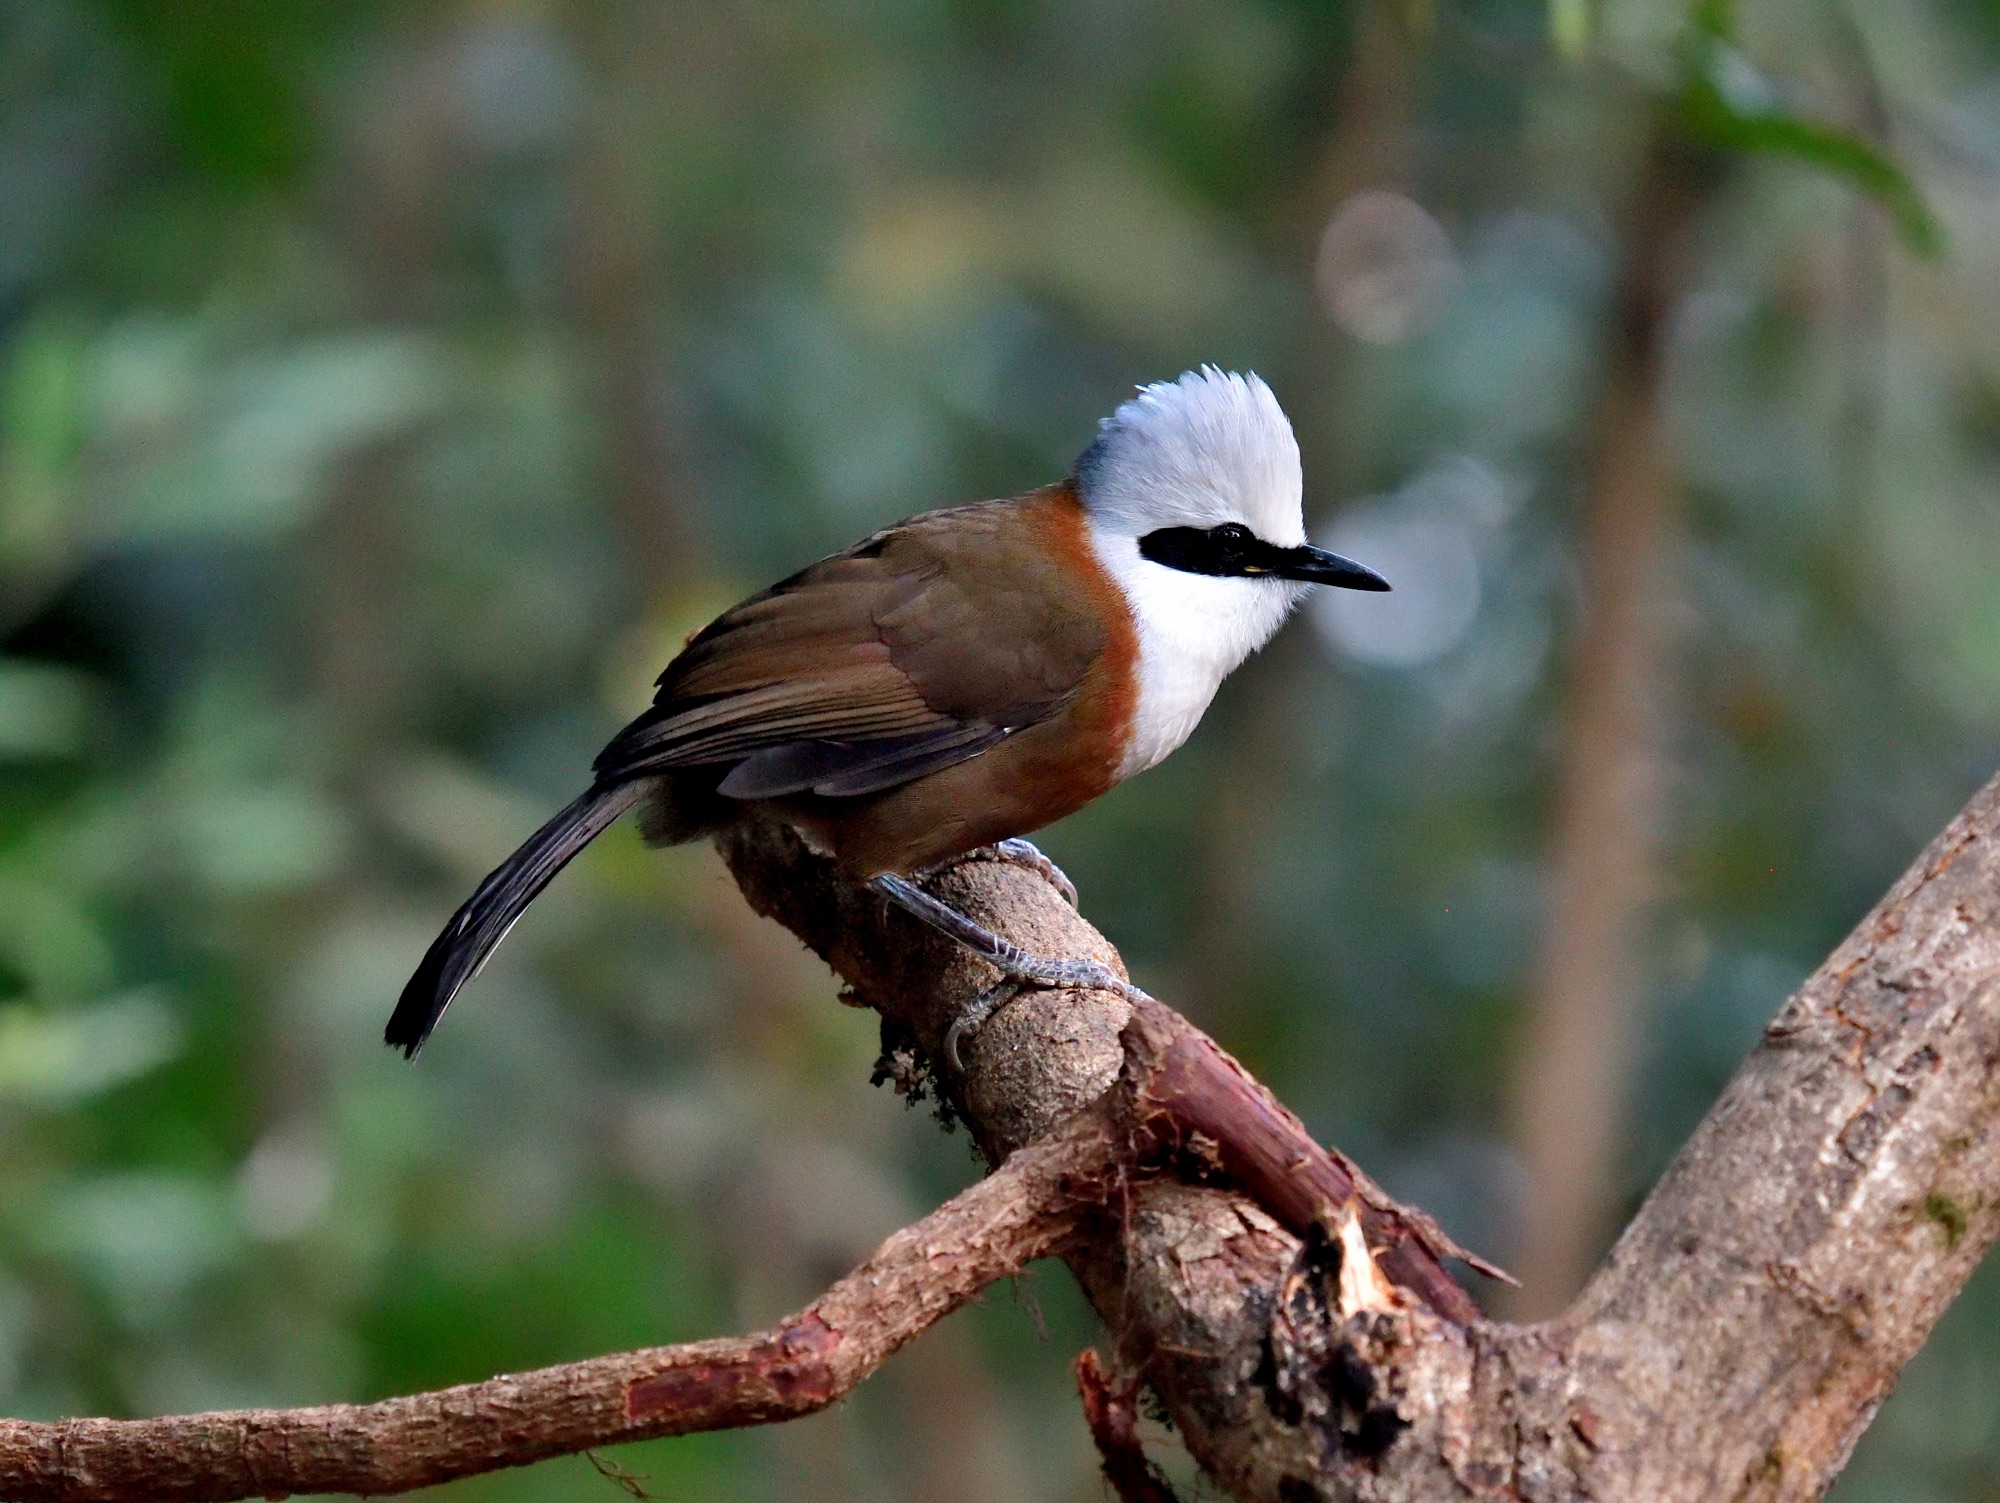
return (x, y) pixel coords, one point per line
(456, 955)
(850, 769)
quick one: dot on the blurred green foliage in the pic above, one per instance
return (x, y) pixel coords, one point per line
(1728, 103)
(384, 391)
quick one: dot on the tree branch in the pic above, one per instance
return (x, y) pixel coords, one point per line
(1029, 1208)
(1791, 1261)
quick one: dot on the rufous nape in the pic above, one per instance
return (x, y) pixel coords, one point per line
(960, 679)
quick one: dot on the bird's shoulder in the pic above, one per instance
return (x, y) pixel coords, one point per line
(976, 605)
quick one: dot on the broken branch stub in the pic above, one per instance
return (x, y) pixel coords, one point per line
(1111, 1410)
(1189, 1099)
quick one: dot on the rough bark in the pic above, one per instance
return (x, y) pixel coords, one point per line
(1111, 1409)
(1736, 1342)
(1758, 1309)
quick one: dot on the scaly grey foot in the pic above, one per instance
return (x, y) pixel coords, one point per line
(1017, 964)
(1016, 852)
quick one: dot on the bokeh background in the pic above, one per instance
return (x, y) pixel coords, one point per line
(386, 389)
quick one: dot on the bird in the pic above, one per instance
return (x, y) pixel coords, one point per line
(960, 679)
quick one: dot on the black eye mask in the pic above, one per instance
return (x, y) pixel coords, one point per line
(1233, 551)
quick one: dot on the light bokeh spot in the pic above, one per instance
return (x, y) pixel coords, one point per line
(1385, 268)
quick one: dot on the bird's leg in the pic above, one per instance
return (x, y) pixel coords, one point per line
(1018, 966)
(1017, 963)
(1016, 852)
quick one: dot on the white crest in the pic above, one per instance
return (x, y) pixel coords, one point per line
(1210, 448)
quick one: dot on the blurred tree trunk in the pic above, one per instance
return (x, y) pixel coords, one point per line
(616, 284)
(1370, 144)
(1570, 1078)
(384, 207)
(1860, 291)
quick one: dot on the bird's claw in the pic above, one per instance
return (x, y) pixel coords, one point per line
(1023, 972)
(1026, 853)
(974, 1018)
(1017, 852)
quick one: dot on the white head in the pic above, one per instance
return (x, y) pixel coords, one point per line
(1193, 495)
(1210, 448)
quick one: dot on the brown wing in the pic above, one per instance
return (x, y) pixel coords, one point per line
(918, 648)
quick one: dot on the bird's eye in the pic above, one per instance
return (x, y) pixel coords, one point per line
(1231, 534)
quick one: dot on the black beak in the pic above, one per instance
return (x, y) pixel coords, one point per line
(1310, 565)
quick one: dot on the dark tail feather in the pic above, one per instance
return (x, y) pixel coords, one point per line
(456, 955)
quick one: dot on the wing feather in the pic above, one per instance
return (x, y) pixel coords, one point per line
(872, 668)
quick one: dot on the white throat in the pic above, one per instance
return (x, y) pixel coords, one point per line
(1194, 631)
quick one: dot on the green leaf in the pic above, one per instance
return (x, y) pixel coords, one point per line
(1728, 103)
(49, 1058)
(259, 837)
(47, 938)
(144, 1236)
(40, 433)
(1569, 27)
(44, 710)
(1714, 18)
